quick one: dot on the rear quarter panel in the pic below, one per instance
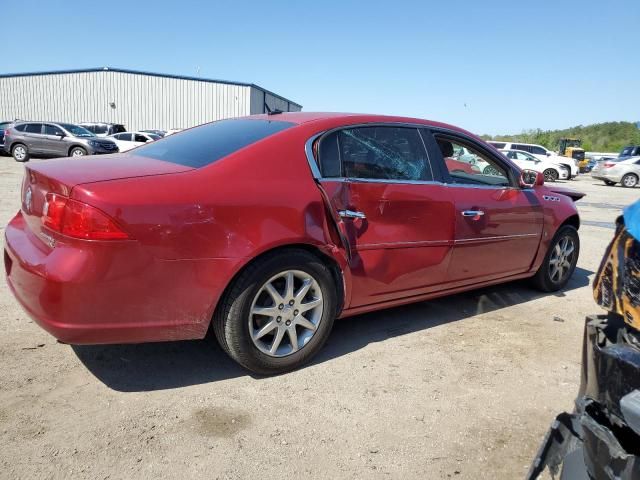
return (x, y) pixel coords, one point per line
(258, 198)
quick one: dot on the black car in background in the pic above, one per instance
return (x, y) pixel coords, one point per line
(101, 129)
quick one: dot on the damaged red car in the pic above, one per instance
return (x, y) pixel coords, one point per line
(267, 228)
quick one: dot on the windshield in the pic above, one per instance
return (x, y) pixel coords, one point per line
(76, 130)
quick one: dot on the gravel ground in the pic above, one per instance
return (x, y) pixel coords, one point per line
(461, 387)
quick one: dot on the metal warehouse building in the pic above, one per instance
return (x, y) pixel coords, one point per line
(138, 100)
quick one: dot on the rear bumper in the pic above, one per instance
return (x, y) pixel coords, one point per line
(86, 292)
(600, 175)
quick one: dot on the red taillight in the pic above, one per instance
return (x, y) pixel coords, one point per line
(609, 164)
(79, 220)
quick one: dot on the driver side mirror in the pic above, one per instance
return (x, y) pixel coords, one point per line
(548, 154)
(531, 178)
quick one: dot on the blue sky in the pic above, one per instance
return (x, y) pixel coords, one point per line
(488, 66)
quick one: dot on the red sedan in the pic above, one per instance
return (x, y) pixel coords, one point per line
(267, 228)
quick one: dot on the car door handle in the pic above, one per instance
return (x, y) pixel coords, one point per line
(351, 214)
(472, 213)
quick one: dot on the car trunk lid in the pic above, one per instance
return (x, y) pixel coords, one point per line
(61, 176)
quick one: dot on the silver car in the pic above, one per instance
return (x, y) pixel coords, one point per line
(53, 139)
(612, 171)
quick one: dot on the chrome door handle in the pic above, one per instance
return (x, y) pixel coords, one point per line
(351, 214)
(472, 213)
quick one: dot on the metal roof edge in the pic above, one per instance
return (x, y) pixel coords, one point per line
(150, 74)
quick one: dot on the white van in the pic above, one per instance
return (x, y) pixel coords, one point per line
(539, 152)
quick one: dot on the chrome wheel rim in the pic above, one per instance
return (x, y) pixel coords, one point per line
(629, 181)
(561, 259)
(77, 153)
(490, 170)
(550, 175)
(285, 313)
(19, 153)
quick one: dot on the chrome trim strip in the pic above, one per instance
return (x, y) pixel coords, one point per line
(381, 180)
(308, 149)
(499, 238)
(416, 244)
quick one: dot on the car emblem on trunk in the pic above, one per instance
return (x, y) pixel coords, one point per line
(27, 200)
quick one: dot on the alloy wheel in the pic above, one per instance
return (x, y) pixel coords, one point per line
(77, 153)
(491, 170)
(285, 313)
(630, 180)
(550, 175)
(19, 153)
(561, 259)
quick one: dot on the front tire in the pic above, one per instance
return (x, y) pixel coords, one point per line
(630, 180)
(550, 175)
(77, 152)
(560, 261)
(20, 152)
(278, 313)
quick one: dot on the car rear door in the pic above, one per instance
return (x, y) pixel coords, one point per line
(498, 225)
(34, 138)
(395, 216)
(124, 141)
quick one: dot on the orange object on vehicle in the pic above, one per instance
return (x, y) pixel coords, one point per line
(617, 284)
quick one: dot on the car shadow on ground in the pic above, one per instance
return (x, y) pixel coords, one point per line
(160, 366)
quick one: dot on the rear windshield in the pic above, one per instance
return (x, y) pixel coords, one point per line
(203, 145)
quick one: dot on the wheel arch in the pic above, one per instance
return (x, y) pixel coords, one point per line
(573, 220)
(76, 146)
(337, 273)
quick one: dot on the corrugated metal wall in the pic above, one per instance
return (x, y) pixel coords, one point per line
(141, 101)
(260, 97)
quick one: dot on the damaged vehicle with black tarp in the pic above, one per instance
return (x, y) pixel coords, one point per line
(601, 438)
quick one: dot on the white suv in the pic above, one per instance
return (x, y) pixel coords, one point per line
(540, 153)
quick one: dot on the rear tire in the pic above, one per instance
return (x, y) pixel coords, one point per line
(630, 180)
(558, 264)
(238, 328)
(20, 152)
(77, 152)
(609, 183)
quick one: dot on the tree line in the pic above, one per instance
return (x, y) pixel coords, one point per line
(599, 137)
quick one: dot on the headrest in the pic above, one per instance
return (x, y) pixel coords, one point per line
(446, 148)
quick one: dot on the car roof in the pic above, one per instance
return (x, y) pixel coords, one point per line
(100, 123)
(46, 121)
(339, 119)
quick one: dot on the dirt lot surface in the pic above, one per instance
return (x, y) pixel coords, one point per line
(462, 387)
